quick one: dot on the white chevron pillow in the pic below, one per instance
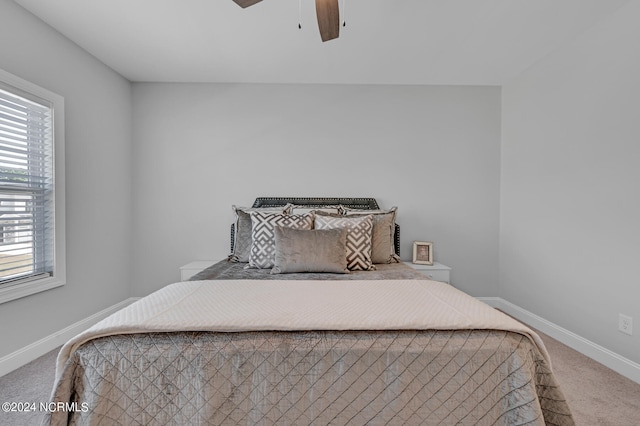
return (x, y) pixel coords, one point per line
(263, 243)
(358, 238)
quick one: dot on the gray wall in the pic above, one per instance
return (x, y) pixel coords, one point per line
(432, 151)
(98, 176)
(570, 200)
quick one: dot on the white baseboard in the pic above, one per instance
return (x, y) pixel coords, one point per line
(614, 361)
(25, 355)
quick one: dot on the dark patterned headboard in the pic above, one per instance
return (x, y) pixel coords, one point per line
(354, 203)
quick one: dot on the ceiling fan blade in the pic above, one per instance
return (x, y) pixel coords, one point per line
(328, 15)
(246, 3)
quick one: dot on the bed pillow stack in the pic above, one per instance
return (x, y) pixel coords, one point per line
(330, 239)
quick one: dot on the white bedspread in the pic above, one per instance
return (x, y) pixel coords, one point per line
(254, 305)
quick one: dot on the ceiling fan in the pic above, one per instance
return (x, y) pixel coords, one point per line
(327, 12)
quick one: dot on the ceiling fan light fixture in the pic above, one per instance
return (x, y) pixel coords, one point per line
(328, 14)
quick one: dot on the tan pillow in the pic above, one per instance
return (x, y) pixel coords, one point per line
(310, 251)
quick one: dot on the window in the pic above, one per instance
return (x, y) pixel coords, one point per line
(31, 198)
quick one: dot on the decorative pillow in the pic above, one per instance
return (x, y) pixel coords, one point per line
(242, 230)
(384, 222)
(263, 246)
(301, 209)
(358, 238)
(310, 251)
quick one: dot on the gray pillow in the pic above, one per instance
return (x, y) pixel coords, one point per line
(310, 251)
(384, 221)
(298, 209)
(358, 238)
(242, 229)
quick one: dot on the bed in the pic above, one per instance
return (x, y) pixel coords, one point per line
(242, 345)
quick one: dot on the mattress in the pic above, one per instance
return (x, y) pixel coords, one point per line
(402, 351)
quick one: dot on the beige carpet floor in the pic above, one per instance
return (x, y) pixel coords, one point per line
(597, 395)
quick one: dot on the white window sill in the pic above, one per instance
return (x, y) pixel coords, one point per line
(17, 291)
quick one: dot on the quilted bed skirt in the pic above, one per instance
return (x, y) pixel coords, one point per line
(463, 377)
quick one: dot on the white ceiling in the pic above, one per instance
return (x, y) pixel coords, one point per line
(477, 42)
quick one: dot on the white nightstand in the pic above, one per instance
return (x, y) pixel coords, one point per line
(192, 268)
(435, 272)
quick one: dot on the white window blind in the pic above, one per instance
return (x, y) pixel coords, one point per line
(26, 186)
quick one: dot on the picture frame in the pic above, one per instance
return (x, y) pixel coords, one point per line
(422, 253)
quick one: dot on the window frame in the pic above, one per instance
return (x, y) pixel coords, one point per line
(26, 287)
